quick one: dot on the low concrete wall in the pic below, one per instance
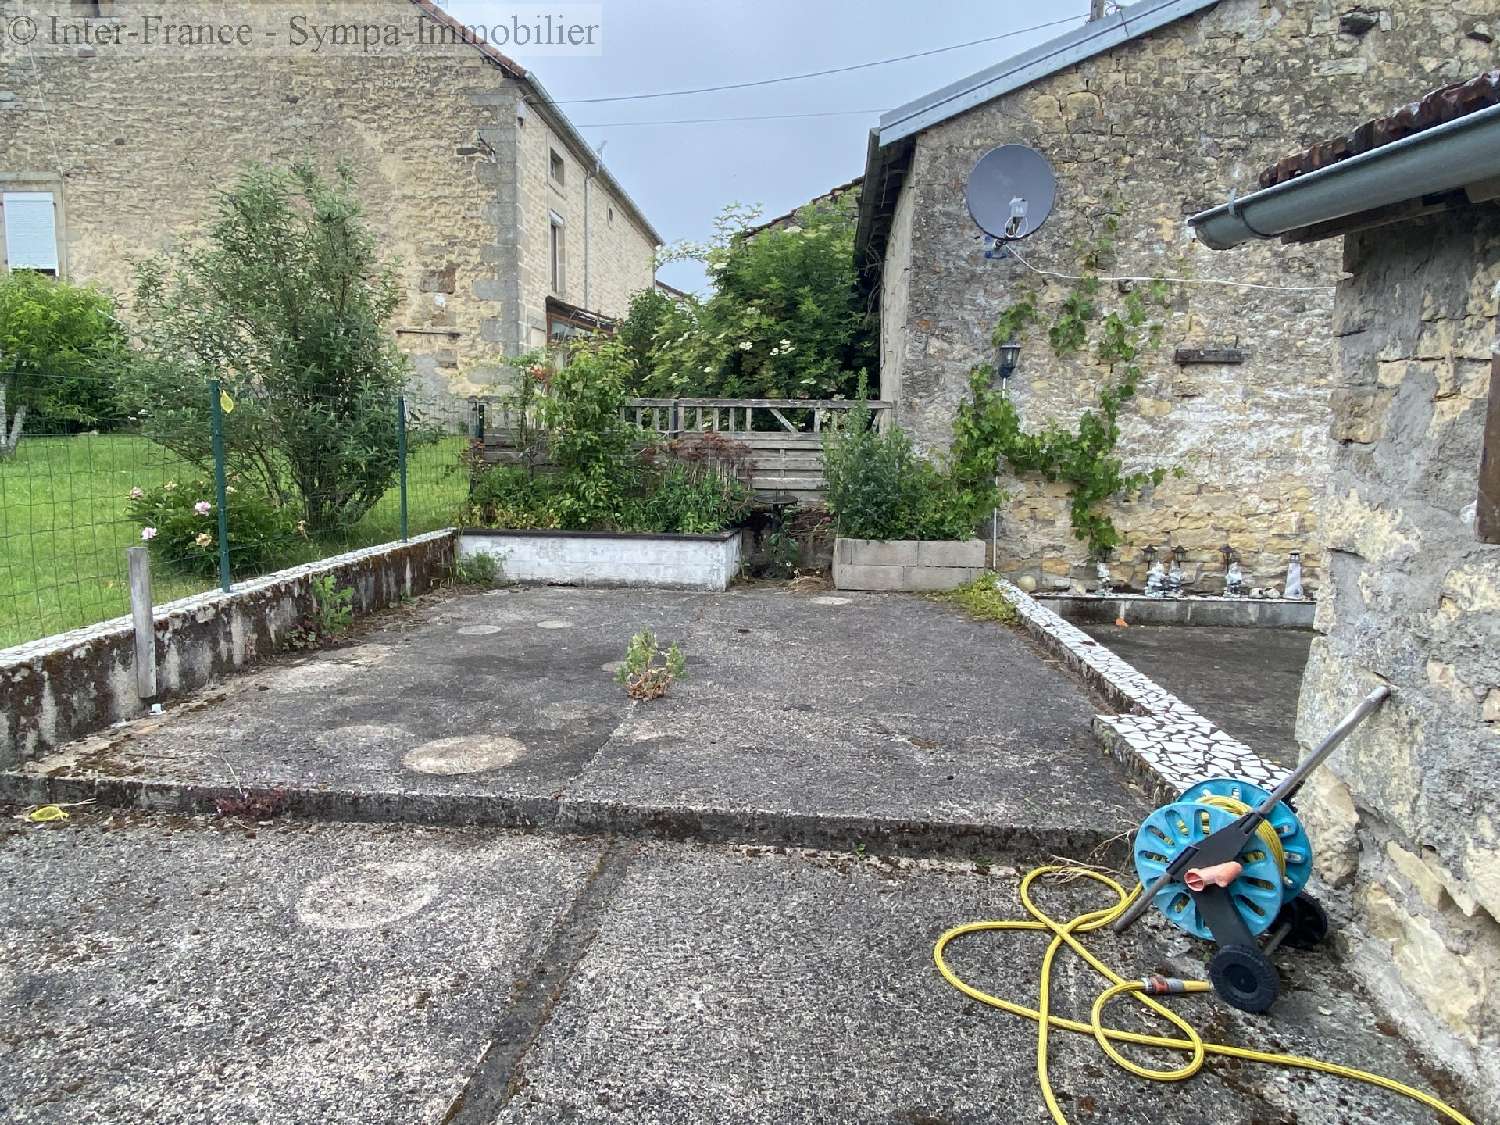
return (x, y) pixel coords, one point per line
(1265, 613)
(595, 558)
(61, 687)
(906, 564)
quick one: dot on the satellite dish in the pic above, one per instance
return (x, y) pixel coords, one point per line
(1010, 191)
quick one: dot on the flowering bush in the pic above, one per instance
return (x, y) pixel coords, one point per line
(181, 526)
(785, 319)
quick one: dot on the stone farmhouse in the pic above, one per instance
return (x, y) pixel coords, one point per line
(1148, 115)
(1404, 813)
(508, 229)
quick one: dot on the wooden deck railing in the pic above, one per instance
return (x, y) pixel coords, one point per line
(785, 435)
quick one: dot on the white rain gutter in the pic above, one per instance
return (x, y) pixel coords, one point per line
(1444, 158)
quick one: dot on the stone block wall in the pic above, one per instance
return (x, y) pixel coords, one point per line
(136, 138)
(1153, 131)
(600, 274)
(1406, 817)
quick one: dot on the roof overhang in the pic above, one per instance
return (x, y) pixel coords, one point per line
(1092, 38)
(1385, 184)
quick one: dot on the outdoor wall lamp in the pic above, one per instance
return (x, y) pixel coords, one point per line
(1009, 352)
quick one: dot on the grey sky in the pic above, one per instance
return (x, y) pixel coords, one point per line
(681, 175)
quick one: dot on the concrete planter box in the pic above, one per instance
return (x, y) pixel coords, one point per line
(602, 558)
(1137, 609)
(906, 564)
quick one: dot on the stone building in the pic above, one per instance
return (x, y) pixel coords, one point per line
(1147, 115)
(118, 124)
(1405, 815)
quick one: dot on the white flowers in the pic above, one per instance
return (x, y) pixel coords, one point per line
(786, 344)
(775, 351)
(203, 507)
(170, 486)
(203, 539)
(746, 345)
(708, 370)
(136, 494)
(148, 533)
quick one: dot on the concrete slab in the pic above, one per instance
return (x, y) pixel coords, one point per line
(1245, 679)
(892, 720)
(736, 985)
(159, 970)
(171, 970)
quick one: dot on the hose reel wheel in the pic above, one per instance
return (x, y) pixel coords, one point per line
(1275, 867)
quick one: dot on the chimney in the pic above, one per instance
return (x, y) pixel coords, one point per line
(1096, 10)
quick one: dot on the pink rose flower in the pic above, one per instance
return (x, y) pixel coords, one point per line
(203, 507)
(148, 533)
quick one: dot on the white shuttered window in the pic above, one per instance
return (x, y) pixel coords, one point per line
(30, 230)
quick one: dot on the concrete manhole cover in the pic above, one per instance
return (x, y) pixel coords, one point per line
(827, 600)
(554, 623)
(366, 896)
(478, 630)
(465, 753)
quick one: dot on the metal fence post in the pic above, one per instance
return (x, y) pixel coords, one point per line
(221, 487)
(139, 559)
(401, 455)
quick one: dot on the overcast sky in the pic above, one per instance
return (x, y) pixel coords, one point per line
(681, 175)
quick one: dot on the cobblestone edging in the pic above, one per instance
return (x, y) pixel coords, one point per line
(60, 687)
(1157, 735)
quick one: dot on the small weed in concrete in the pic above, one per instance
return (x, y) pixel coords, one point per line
(333, 610)
(982, 599)
(648, 672)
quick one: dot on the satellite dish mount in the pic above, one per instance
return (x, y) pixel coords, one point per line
(1010, 193)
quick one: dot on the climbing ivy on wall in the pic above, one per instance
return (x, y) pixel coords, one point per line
(989, 428)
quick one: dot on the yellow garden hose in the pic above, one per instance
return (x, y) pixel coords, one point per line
(1065, 933)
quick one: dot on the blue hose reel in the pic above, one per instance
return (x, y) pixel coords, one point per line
(1261, 890)
(1266, 891)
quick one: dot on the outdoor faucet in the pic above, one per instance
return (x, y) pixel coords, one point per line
(1294, 577)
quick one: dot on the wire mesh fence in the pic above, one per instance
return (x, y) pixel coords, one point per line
(222, 483)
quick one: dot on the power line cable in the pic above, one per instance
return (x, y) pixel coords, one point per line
(715, 120)
(815, 73)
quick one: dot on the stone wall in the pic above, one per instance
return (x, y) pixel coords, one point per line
(1153, 131)
(140, 138)
(600, 274)
(1405, 815)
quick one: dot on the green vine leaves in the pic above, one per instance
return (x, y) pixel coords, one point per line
(988, 427)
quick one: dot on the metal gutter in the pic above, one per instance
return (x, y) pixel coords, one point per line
(1091, 39)
(1441, 159)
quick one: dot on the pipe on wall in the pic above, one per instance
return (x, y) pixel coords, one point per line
(1441, 159)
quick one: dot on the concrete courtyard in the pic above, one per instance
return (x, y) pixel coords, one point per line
(502, 892)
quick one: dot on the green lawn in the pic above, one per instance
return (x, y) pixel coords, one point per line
(63, 529)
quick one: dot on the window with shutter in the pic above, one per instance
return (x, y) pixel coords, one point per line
(30, 223)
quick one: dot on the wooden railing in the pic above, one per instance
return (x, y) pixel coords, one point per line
(784, 435)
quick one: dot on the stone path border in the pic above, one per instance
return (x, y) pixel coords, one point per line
(1157, 736)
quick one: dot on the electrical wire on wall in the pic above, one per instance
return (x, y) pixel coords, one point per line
(1011, 251)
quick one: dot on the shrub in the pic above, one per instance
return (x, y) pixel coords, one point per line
(879, 488)
(510, 496)
(480, 569)
(61, 351)
(785, 319)
(682, 499)
(286, 303)
(641, 673)
(180, 523)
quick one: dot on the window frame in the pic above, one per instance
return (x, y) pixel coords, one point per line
(41, 183)
(557, 252)
(557, 168)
